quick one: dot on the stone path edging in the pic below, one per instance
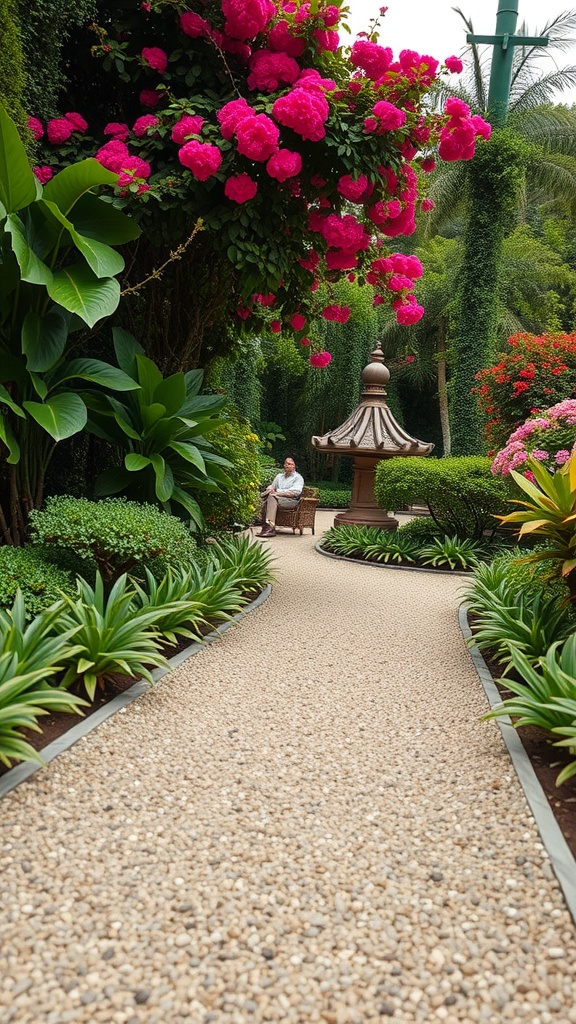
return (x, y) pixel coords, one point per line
(20, 772)
(562, 860)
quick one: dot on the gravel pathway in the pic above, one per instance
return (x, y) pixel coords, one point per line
(305, 823)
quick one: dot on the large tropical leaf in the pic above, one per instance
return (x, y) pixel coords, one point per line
(18, 186)
(94, 217)
(101, 258)
(79, 290)
(97, 372)
(44, 338)
(9, 440)
(67, 187)
(60, 416)
(32, 269)
(126, 349)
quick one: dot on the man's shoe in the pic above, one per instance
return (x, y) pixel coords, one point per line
(264, 532)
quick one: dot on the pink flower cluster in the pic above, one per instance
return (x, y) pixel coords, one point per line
(555, 429)
(336, 314)
(59, 129)
(396, 273)
(320, 359)
(459, 134)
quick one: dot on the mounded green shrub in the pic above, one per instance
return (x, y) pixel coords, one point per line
(461, 494)
(39, 579)
(334, 495)
(236, 441)
(114, 534)
(423, 529)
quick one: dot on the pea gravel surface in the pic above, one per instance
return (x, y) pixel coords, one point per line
(306, 822)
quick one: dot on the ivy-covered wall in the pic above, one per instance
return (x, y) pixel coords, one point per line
(496, 177)
(12, 76)
(45, 27)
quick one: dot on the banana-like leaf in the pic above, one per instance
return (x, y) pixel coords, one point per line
(10, 441)
(61, 416)
(6, 399)
(67, 187)
(112, 481)
(164, 478)
(149, 377)
(135, 462)
(44, 338)
(126, 349)
(190, 453)
(81, 292)
(101, 258)
(32, 269)
(171, 393)
(18, 185)
(94, 217)
(97, 372)
(187, 501)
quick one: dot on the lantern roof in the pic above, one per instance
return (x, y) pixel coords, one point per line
(371, 429)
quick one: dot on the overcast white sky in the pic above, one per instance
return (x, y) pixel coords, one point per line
(432, 26)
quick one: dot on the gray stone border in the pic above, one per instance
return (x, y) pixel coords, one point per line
(387, 565)
(561, 858)
(25, 769)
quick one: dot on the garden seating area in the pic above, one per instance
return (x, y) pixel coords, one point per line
(306, 821)
(303, 516)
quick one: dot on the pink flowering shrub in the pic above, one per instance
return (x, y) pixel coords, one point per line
(255, 103)
(320, 359)
(549, 437)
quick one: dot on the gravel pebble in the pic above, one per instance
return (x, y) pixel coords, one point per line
(306, 822)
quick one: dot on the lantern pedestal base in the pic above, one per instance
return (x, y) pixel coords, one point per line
(363, 509)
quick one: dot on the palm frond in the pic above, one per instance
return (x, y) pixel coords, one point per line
(541, 91)
(447, 190)
(554, 176)
(478, 76)
(552, 128)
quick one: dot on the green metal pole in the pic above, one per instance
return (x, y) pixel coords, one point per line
(502, 57)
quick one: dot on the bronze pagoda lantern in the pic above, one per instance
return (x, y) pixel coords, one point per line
(369, 434)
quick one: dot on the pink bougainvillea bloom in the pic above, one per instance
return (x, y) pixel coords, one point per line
(410, 359)
(454, 64)
(189, 124)
(280, 38)
(305, 111)
(144, 124)
(150, 98)
(330, 16)
(341, 259)
(373, 59)
(245, 19)
(336, 314)
(426, 205)
(201, 158)
(428, 164)
(312, 79)
(456, 107)
(344, 232)
(35, 127)
(268, 70)
(112, 155)
(155, 58)
(305, 342)
(193, 25)
(389, 116)
(231, 114)
(410, 313)
(240, 188)
(43, 173)
(276, 326)
(320, 359)
(77, 121)
(59, 130)
(297, 321)
(284, 164)
(257, 137)
(133, 167)
(118, 130)
(351, 277)
(243, 312)
(327, 40)
(351, 188)
(370, 124)
(265, 300)
(481, 127)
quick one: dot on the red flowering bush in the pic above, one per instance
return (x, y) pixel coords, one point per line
(536, 373)
(266, 128)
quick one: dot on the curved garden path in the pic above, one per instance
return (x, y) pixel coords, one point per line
(306, 822)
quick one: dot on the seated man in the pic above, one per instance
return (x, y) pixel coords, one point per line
(285, 490)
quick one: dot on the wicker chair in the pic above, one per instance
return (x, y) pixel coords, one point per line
(304, 513)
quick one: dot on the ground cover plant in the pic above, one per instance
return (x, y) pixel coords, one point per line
(371, 544)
